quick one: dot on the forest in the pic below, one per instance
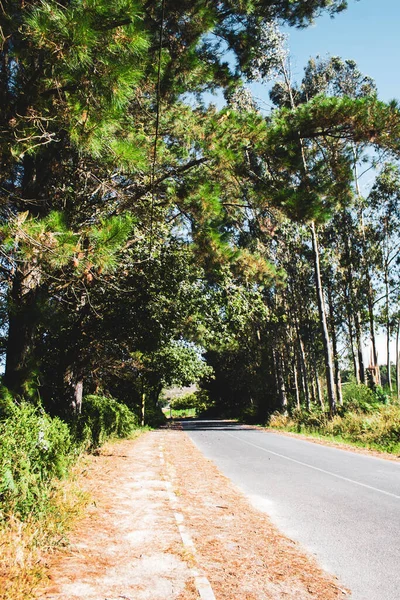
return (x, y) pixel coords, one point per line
(153, 238)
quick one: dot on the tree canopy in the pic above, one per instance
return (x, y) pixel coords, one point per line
(141, 225)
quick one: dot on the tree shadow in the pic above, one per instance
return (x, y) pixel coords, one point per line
(192, 424)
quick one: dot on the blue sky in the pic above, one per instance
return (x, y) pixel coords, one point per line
(367, 32)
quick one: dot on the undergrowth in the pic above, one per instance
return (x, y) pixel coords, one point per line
(366, 419)
(39, 499)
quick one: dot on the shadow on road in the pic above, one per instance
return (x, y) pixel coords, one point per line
(211, 425)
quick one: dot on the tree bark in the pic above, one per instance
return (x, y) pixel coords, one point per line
(361, 365)
(73, 383)
(280, 380)
(319, 391)
(398, 361)
(22, 319)
(351, 340)
(337, 377)
(296, 384)
(323, 324)
(143, 408)
(388, 332)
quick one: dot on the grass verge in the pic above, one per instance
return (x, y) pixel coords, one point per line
(23, 543)
(377, 430)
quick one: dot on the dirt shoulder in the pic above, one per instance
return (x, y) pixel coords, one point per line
(165, 524)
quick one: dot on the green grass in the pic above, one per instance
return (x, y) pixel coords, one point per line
(180, 414)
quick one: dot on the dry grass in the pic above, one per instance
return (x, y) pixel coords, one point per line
(378, 429)
(23, 544)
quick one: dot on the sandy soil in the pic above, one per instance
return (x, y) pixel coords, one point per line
(163, 522)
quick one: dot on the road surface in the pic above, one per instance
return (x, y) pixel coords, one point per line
(342, 506)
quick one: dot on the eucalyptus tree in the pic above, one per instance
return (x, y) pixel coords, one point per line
(384, 205)
(319, 155)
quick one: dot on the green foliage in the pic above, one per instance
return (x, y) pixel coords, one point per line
(198, 400)
(153, 415)
(7, 405)
(34, 449)
(179, 364)
(358, 398)
(101, 419)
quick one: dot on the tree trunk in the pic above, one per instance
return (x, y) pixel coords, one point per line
(280, 380)
(296, 384)
(73, 385)
(319, 391)
(337, 377)
(323, 324)
(351, 340)
(398, 361)
(303, 363)
(361, 365)
(371, 319)
(388, 332)
(143, 408)
(22, 318)
(367, 275)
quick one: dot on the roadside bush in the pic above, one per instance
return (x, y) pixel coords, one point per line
(184, 402)
(34, 449)
(101, 419)
(358, 398)
(281, 421)
(7, 403)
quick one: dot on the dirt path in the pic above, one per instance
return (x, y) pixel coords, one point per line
(166, 525)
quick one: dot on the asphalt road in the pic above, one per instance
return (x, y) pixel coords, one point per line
(342, 506)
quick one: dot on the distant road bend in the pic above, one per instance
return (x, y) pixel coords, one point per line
(340, 505)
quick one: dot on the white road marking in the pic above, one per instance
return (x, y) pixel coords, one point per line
(299, 462)
(202, 584)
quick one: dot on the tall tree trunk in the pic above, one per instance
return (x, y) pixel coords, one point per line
(361, 365)
(143, 408)
(388, 331)
(351, 340)
(302, 360)
(398, 361)
(319, 391)
(323, 324)
(304, 372)
(280, 380)
(296, 383)
(73, 384)
(353, 310)
(371, 319)
(367, 275)
(337, 376)
(22, 319)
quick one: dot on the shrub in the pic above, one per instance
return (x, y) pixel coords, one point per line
(280, 421)
(34, 449)
(184, 402)
(154, 416)
(198, 400)
(101, 419)
(358, 398)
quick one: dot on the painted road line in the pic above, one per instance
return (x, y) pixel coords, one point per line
(299, 462)
(201, 582)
